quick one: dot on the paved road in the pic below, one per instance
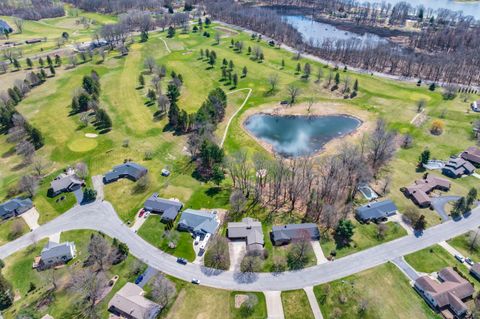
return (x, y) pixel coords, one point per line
(438, 203)
(101, 216)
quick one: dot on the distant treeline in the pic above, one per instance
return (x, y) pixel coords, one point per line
(32, 9)
(117, 6)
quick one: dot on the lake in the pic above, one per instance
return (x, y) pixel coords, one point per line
(319, 32)
(294, 136)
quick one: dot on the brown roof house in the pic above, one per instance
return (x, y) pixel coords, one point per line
(419, 191)
(472, 154)
(248, 229)
(475, 270)
(447, 293)
(130, 303)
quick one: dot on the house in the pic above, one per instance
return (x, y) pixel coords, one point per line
(15, 207)
(248, 229)
(472, 154)
(376, 211)
(419, 191)
(130, 303)
(448, 293)
(65, 182)
(130, 170)
(198, 222)
(4, 27)
(167, 207)
(34, 40)
(285, 234)
(457, 167)
(55, 253)
(475, 270)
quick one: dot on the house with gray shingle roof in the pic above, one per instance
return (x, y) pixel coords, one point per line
(198, 222)
(5, 27)
(65, 182)
(248, 229)
(376, 211)
(458, 167)
(130, 170)
(15, 207)
(167, 207)
(129, 302)
(285, 234)
(55, 253)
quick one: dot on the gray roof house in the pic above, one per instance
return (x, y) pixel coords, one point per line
(5, 27)
(55, 253)
(130, 303)
(167, 207)
(376, 211)
(198, 222)
(65, 183)
(130, 170)
(457, 167)
(248, 229)
(15, 207)
(281, 235)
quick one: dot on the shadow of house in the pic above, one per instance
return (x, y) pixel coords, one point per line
(249, 230)
(167, 207)
(15, 207)
(283, 235)
(447, 294)
(376, 211)
(129, 170)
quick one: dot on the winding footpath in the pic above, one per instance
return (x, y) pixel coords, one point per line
(101, 216)
(236, 112)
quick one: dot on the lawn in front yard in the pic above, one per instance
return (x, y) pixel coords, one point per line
(382, 292)
(153, 231)
(259, 311)
(463, 244)
(296, 305)
(365, 236)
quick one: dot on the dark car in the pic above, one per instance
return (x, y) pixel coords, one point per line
(182, 261)
(139, 279)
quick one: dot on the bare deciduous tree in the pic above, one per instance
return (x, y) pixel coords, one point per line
(293, 92)
(28, 184)
(99, 250)
(163, 290)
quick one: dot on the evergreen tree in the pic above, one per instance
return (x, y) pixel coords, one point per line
(244, 71)
(29, 63)
(41, 62)
(14, 96)
(217, 174)
(345, 230)
(151, 95)
(141, 80)
(44, 74)
(173, 115)
(355, 85)
(83, 102)
(16, 64)
(337, 79)
(90, 85)
(49, 60)
(230, 65)
(36, 137)
(103, 119)
(75, 105)
(6, 293)
(171, 32)
(235, 79)
(432, 87)
(207, 21)
(283, 63)
(58, 60)
(173, 93)
(52, 69)
(424, 156)
(299, 68)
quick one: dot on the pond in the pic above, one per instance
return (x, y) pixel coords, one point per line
(319, 32)
(294, 136)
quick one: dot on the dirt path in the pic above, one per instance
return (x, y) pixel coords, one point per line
(236, 112)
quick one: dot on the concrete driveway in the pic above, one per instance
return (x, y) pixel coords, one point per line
(78, 195)
(405, 267)
(274, 304)
(237, 250)
(438, 204)
(317, 249)
(31, 218)
(97, 182)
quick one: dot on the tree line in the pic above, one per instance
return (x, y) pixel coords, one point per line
(32, 9)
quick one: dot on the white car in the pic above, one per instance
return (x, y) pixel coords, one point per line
(195, 281)
(146, 214)
(460, 258)
(197, 240)
(469, 261)
(165, 172)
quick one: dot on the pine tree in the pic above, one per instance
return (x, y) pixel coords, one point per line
(52, 70)
(40, 61)
(173, 115)
(141, 80)
(355, 85)
(235, 79)
(6, 293)
(16, 64)
(299, 68)
(58, 60)
(244, 71)
(283, 63)
(337, 79)
(29, 63)
(171, 32)
(49, 60)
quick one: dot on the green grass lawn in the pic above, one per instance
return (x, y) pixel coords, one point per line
(7, 227)
(153, 231)
(19, 272)
(382, 292)
(259, 312)
(365, 236)
(296, 305)
(463, 244)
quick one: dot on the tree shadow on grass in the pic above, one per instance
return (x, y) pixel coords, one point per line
(9, 153)
(213, 191)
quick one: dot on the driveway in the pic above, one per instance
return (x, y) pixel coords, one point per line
(97, 182)
(274, 304)
(317, 313)
(148, 274)
(452, 251)
(405, 267)
(438, 204)
(317, 249)
(397, 218)
(138, 222)
(31, 218)
(101, 216)
(237, 250)
(78, 195)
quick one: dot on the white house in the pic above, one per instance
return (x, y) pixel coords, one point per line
(55, 253)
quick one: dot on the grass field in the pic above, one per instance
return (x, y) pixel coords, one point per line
(463, 244)
(295, 305)
(381, 292)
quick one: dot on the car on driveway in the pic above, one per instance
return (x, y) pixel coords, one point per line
(147, 214)
(182, 261)
(141, 213)
(139, 279)
(469, 261)
(195, 281)
(460, 258)
(165, 172)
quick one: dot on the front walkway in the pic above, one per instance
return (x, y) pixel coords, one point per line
(317, 313)
(274, 304)
(31, 218)
(317, 249)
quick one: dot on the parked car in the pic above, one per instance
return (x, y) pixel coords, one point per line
(139, 279)
(195, 281)
(460, 258)
(141, 213)
(197, 240)
(147, 214)
(165, 172)
(469, 261)
(182, 261)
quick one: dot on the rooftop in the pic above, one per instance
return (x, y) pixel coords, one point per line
(376, 210)
(248, 228)
(129, 300)
(199, 221)
(295, 231)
